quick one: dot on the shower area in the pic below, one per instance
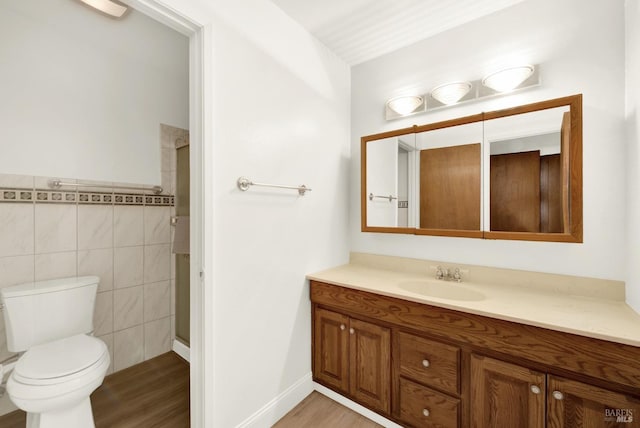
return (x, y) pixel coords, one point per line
(175, 155)
(182, 258)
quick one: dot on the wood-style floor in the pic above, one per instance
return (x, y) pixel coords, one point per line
(318, 411)
(154, 393)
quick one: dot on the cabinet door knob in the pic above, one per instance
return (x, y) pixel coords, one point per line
(425, 412)
(351, 330)
(342, 327)
(535, 389)
(558, 395)
(425, 363)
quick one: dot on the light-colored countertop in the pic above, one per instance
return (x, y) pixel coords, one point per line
(584, 306)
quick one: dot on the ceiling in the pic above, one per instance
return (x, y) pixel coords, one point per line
(360, 30)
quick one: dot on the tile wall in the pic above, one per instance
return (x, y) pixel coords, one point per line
(125, 239)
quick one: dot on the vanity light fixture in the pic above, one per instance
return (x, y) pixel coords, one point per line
(450, 93)
(443, 96)
(405, 104)
(508, 79)
(112, 8)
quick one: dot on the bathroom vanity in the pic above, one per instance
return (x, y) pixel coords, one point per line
(482, 353)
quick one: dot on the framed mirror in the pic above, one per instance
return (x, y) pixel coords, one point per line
(389, 170)
(507, 174)
(533, 155)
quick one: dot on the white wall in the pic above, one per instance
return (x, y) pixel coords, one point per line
(578, 53)
(382, 157)
(281, 115)
(277, 105)
(87, 91)
(633, 151)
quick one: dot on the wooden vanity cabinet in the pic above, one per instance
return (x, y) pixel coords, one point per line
(353, 357)
(576, 404)
(508, 395)
(426, 366)
(331, 349)
(428, 381)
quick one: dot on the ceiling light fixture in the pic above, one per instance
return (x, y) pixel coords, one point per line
(450, 93)
(508, 79)
(111, 8)
(405, 104)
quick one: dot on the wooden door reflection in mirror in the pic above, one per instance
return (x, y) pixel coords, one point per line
(449, 178)
(534, 158)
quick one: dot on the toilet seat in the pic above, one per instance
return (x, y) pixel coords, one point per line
(57, 394)
(60, 361)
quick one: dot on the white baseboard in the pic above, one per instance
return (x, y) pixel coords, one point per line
(275, 409)
(182, 350)
(355, 406)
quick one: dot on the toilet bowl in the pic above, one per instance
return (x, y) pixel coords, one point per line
(50, 321)
(52, 382)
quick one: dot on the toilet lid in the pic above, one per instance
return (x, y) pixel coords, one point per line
(60, 358)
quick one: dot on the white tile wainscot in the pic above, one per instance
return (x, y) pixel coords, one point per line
(123, 239)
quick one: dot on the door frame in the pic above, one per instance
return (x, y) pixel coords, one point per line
(201, 218)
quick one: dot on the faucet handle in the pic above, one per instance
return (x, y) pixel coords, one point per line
(457, 275)
(439, 272)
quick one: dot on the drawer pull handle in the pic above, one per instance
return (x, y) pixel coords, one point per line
(425, 363)
(558, 395)
(425, 412)
(535, 389)
(342, 327)
(351, 331)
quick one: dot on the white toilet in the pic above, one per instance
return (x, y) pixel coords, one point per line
(62, 365)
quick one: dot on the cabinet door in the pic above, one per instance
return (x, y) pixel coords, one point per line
(504, 395)
(331, 349)
(575, 404)
(370, 368)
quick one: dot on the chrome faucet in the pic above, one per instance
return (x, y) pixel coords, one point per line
(457, 276)
(445, 274)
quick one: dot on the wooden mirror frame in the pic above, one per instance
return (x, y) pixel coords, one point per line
(575, 231)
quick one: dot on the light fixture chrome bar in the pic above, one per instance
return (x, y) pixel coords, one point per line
(56, 184)
(390, 197)
(244, 183)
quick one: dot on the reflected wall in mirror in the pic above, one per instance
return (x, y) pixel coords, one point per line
(449, 178)
(507, 174)
(390, 188)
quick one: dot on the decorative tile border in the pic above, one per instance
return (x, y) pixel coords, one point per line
(88, 198)
(16, 195)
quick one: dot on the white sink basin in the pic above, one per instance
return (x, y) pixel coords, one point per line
(441, 290)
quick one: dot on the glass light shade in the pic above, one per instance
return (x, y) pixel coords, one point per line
(107, 6)
(508, 79)
(451, 93)
(405, 104)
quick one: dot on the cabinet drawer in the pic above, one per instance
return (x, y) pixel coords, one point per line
(423, 407)
(429, 362)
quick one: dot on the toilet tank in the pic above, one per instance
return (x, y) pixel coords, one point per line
(42, 311)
